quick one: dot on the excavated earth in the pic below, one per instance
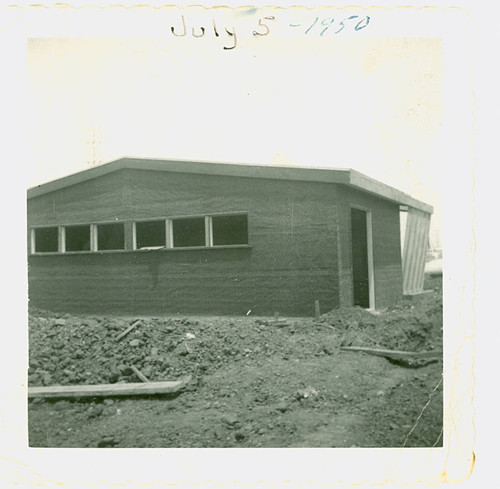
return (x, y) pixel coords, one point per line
(254, 383)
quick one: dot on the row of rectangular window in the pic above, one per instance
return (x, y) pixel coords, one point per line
(188, 232)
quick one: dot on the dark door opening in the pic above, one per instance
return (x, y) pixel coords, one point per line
(359, 245)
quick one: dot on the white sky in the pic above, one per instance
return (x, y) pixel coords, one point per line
(371, 104)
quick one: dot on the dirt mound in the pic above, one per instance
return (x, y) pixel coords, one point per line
(67, 349)
(413, 325)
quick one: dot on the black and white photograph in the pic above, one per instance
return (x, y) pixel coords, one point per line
(235, 232)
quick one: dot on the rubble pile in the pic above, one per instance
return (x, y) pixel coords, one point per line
(66, 349)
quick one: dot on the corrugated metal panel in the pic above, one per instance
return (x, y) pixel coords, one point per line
(414, 250)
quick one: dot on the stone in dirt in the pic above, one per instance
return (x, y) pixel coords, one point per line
(113, 377)
(124, 370)
(306, 393)
(230, 419)
(282, 407)
(59, 405)
(107, 442)
(95, 411)
(135, 342)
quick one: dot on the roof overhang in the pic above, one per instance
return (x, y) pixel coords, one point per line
(344, 176)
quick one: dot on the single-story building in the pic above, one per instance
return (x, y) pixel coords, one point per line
(142, 236)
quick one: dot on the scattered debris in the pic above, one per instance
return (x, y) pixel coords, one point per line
(85, 349)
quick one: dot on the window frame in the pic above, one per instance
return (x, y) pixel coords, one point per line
(226, 215)
(33, 240)
(180, 218)
(94, 237)
(132, 240)
(149, 219)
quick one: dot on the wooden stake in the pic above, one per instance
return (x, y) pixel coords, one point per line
(105, 390)
(139, 374)
(127, 331)
(316, 310)
(276, 317)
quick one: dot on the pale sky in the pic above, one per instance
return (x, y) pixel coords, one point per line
(374, 105)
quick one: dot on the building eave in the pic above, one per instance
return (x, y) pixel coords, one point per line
(307, 174)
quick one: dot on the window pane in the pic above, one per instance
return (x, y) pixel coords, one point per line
(189, 232)
(77, 238)
(149, 234)
(229, 230)
(110, 236)
(46, 240)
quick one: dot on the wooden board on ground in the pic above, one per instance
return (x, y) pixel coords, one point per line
(109, 390)
(394, 353)
(280, 324)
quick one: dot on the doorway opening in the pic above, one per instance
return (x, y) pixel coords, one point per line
(362, 258)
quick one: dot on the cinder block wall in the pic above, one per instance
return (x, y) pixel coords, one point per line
(388, 277)
(292, 260)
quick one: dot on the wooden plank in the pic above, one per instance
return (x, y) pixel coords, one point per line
(393, 353)
(127, 331)
(105, 390)
(139, 374)
(280, 324)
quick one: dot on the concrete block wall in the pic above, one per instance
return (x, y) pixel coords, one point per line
(291, 262)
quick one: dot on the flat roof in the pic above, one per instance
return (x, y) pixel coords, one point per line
(344, 176)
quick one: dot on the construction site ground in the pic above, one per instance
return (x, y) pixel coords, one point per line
(254, 383)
